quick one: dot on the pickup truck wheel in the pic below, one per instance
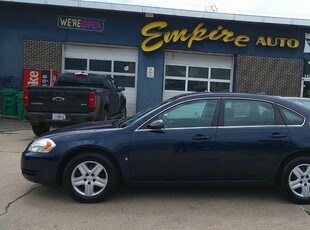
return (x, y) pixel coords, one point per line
(105, 115)
(124, 113)
(40, 129)
(90, 177)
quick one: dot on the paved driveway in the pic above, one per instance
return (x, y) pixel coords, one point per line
(25, 205)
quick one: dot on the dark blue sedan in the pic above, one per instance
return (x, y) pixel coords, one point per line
(205, 138)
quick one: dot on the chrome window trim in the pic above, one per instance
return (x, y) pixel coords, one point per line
(271, 102)
(251, 126)
(249, 99)
(195, 99)
(185, 128)
(296, 113)
(224, 98)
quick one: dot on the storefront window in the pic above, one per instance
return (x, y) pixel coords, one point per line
(198, 86)
(124, 67)
(100, 65)
(208, 79)
(178, 85)
(223, 74)
(75, 64)
(125, 81)
(198, 72)
(219, 86)
(175, 71)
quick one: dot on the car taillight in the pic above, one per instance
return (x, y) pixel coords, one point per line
(92, 100)
(26, 98)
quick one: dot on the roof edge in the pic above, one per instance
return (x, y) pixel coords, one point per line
(93, 4)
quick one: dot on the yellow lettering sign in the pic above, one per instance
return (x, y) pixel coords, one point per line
(261, 41)
(152, 35)
(277, 42)
(155, 38)
(242, 41)
(197, 35)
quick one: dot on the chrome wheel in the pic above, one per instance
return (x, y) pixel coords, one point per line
(299, 180)
(89, 178)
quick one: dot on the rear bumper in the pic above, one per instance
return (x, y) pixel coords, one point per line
(36, 118)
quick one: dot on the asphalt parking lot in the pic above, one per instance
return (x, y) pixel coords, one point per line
(25, 205)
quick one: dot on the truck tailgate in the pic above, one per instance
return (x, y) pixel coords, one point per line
(59, 99)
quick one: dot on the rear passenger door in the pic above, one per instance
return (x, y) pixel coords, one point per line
(250, 139)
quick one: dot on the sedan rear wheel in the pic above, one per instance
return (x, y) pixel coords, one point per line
(296, 180)
(90, 178)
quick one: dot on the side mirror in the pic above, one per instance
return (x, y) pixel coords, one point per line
(121, 88)
(158, 124)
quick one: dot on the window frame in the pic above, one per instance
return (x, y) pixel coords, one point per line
(283, 117)
(143, 126)
(279, 121)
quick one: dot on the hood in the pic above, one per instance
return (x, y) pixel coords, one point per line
(83, 127)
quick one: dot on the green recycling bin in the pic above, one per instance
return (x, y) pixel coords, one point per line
(20, 105)
(9, 105)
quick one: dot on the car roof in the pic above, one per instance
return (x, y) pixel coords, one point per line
(275, 99)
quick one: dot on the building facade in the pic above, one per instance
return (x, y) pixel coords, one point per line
(156, 53)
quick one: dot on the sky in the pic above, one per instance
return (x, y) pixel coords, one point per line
(274, 8)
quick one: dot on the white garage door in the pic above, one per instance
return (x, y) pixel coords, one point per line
(193, 72)
(119, 62)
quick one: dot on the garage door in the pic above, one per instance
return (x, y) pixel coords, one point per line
(193, 72)
(119, 62)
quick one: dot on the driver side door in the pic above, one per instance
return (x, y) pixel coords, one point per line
(183, 150)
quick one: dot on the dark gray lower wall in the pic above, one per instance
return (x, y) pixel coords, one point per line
(273, 76)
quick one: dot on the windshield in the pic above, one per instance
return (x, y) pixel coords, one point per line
(132, 120)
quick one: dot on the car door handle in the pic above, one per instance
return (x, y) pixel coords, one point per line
(200, 137)
(278, 135)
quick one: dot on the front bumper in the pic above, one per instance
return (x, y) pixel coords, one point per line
(39, 167)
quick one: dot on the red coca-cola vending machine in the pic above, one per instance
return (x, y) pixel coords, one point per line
(39, 77)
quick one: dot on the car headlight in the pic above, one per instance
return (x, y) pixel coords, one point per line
(42, 145)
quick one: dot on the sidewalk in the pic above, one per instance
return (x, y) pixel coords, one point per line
(13, 124)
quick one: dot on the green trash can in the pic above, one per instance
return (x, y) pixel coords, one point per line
(9, 105)
(20, 105)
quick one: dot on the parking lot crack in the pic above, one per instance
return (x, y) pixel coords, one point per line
(18, 198)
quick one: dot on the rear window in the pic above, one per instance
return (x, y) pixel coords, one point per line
(81, 81)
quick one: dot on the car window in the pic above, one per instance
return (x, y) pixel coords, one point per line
(248, 113)
(190, 114)
(96, 82)
(290, 117)
(65, 81)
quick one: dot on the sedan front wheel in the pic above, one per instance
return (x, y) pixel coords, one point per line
(90, 177)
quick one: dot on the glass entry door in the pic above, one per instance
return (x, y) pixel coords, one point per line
(305, 87)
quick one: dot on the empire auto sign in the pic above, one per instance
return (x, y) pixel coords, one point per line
(155, 37)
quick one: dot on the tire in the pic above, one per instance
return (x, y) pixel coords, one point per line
(40, 129)
(105, 115)
(101, 182)
(124, 112)
(295, 180)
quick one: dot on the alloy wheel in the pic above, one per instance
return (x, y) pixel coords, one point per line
(89, 178)
(299, 180)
